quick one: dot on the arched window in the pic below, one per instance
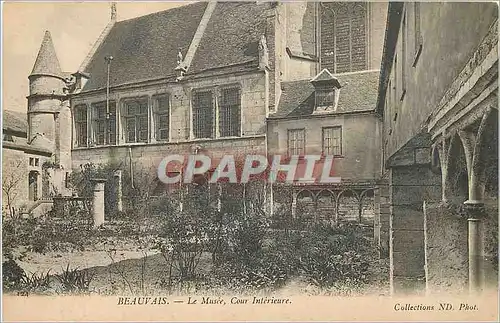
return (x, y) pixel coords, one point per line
(33, 185)
(344, 36)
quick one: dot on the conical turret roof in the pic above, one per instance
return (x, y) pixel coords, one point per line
(46, 61)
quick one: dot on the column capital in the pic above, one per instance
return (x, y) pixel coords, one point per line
(474, 209)
(98, 184)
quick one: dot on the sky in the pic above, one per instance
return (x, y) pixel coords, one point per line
(74, 27)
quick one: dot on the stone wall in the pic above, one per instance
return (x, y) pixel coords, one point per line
(490, 234)
(385, 218)
(348, 207)
(377, 23)
(447, 48)
(16, 166)
(446, 249)
(411, 182)
(409, 187)
(360, 142)
(14, 177)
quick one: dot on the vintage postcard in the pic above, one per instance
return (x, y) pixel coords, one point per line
(250, 161)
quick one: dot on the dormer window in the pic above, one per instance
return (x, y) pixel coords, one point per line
(326, 89)
(325, 98)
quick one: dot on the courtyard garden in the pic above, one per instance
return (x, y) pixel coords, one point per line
(186, 244)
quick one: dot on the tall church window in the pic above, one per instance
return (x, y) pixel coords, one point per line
(203, 114)
(344, 36)
(230, 112)
(135, 117)
(162, 116)
(81, 125)
(104, 126)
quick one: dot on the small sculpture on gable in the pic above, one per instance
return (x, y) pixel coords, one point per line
(263, 53)
(180, 58)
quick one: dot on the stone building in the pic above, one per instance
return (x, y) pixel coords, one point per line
(21, 165)
(224, 78)
(438, 102)
(332, 113)
(217, 77)
(37, 148)
(404, 99)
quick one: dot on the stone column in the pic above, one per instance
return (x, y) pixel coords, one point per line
(219, 197)
(475, 245)
(269, 198)
(474, 205)
(98, 202)
(118, 183)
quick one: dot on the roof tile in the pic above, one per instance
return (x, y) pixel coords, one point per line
(232, 36)
(46, 60)
(15, 121)
(145, 47)
(358, 92)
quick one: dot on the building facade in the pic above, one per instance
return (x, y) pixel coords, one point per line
(181, 80)
(438, 102)
(402, 96)
(37, 147)
(22, 166)
(332, 113)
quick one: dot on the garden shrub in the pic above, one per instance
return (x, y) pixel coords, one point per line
(324, 256)
(12, 274)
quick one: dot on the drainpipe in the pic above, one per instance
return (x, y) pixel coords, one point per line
(108, 60)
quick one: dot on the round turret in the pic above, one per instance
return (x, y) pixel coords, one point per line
(46, 91)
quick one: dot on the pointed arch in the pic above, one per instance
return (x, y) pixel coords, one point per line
(436, 159)
(326, 204)
(306, 205)
(348, 205)
(485, 156)
(367, 206)
(305, 196)
(457, 174)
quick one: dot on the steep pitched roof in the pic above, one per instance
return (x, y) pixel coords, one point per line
(358, 93)
(232, 36)
(145, 47)
(323, 76)
(46, 61)
(15, 121)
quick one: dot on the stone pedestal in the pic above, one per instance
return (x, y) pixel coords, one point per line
(118, 182)
(98, 202)
(294, 204)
